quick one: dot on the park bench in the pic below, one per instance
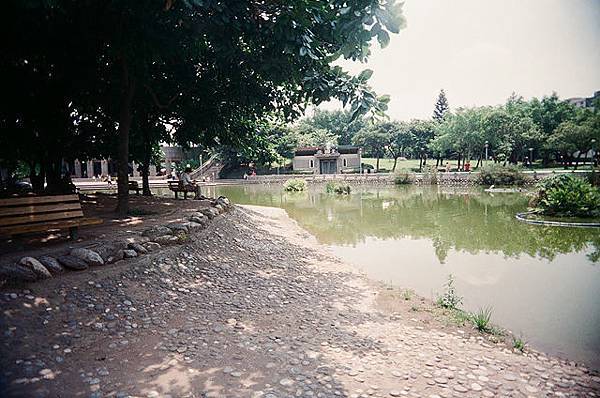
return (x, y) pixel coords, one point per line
(42, 214)
(134, 186)
(177, 186)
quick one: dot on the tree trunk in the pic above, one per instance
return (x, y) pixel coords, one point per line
(458, 163)
(395, 162)
(127, 92)
(377, 165)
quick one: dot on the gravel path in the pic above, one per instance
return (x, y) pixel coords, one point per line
(253, 307)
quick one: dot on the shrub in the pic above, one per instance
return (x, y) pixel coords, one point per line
(449, 299)
(481, 319)
(403, 177)
(497, 174)
(337, 188)
(294, 185)
(566, 195)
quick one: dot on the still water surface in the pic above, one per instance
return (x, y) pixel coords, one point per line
(542, 282)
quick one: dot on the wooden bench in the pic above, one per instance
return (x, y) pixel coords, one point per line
(177, 186)
(42, 214)
(134, 186)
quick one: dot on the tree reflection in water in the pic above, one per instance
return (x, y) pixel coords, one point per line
(462, 219)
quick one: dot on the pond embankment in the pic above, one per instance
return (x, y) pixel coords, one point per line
(253, 306)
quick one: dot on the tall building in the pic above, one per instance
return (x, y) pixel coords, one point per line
(585, 102)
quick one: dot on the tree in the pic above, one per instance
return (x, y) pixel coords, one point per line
(441, 107)
(374, 140)
(402, 140)
(337, 123)
(214, 69)
(578, 135)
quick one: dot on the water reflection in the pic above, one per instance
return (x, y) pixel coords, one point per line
(453, 219)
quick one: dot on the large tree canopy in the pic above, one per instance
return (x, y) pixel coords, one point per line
(209, 68)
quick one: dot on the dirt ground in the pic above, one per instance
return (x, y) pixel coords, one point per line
(251, 306)
(145, 211)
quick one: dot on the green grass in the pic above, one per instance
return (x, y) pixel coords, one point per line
(386, 163)
(481, 319)
(518, 344)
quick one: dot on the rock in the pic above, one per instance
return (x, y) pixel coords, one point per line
(210, 212)
(40, 271)
(151, 246)
(17, 273)
(166, 240)
(179, 227)
(223, 201)
(156, 231)
(110, 250)
(193, 226)
(115, 257)
(51, 264)
(138, 248)
(128, 253)
(87, 255)
(72, 263)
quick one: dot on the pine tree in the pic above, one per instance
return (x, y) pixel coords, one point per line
(441, 107)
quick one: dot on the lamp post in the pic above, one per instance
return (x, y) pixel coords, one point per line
(530, 157)
(594, 154)
(487, 144)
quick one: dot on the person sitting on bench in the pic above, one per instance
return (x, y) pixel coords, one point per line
(188, 183)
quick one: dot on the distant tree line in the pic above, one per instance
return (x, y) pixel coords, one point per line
(548, 129)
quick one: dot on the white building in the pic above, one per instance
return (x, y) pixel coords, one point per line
(327, 159)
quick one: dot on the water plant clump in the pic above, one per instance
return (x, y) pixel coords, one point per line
(497, 174)
(294, 185)
(450, 298)
(481, 319)
(403, 177)
(338, 188)
(567, 196)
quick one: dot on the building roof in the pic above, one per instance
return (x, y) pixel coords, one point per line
(312, 150)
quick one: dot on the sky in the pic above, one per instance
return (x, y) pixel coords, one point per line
(480, 51)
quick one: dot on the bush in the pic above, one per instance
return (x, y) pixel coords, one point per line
(450, 299)
(403, 177)
(497, 174)
(569, 196)
(294, 185)
(337, 188)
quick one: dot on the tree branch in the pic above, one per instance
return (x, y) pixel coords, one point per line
(155, 98)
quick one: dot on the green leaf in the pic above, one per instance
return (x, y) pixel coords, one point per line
(365, 75)
(383, 38)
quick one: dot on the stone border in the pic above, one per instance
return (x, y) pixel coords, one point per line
(523, 217)
(31, 269)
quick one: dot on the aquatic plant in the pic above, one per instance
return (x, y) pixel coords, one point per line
(568, 196)
(338, 188)
(294, 185)
(481, 319)
(497, 174)
(518, 344)
(450, 298)
(403, 177)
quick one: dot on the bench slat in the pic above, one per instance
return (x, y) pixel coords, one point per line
(33, 200)
(34, 209)
(48, 226)
(40, 217)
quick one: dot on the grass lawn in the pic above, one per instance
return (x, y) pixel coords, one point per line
(387, 164)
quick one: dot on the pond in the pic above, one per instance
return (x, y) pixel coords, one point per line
(542, 282)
